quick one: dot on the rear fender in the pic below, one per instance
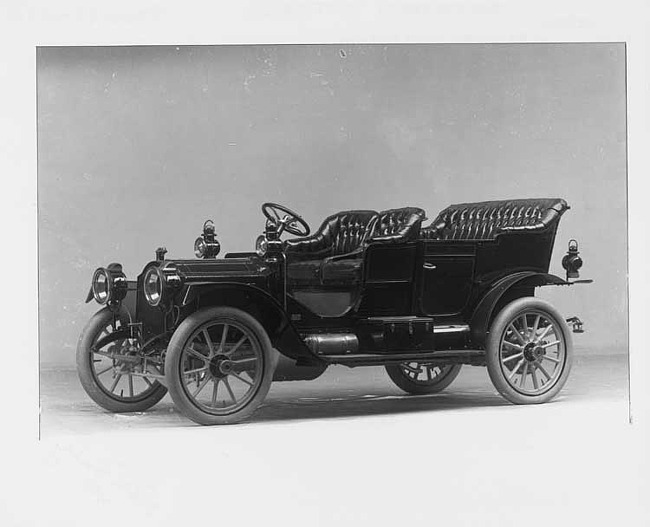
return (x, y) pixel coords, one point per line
(504, 291)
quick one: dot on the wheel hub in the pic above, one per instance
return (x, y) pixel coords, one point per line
(533, 352)
(220, 366)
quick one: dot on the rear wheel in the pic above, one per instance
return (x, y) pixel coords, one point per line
(219, 366)
(111, 370)
(421, 378)
(529, 351)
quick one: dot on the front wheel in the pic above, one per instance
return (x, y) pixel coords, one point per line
(219, 366)
(529, 351)
(111, 369)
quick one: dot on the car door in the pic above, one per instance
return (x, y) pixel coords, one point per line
(389, 278)
(447, 274)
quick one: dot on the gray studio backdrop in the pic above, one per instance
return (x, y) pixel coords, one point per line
(137, 146)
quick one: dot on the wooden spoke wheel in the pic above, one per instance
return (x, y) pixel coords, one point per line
(529, 351)
(112, 370)
(421, 378)
(219, 366)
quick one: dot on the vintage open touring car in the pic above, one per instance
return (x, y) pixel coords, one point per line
(366, 289)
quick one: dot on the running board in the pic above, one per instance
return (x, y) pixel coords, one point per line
(474, 357)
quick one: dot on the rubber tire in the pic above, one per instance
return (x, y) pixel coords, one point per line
(95, 325)
(174, 353)
(505, 316)
(396, 374)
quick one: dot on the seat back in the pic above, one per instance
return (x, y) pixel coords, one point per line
(340, 233)
(398, 225)
(349, 230)
(485, 220)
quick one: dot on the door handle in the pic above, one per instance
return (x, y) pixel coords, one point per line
(429, 266)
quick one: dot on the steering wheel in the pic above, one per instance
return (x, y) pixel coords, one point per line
(290, 221)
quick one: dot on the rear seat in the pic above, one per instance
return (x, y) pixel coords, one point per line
(485, 220)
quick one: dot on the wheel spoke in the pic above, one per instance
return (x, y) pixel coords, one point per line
(512, 372)
(117, 379)
(533, 374)
(552, 359)
(524, 325)
(201, 386)
(197, 355)
(223, 338)
(513, 345)
(236, 346)
(518, 336)
(536, 325)
(523, 375)
(515, 356)
(252, 377)
(108, 368)
(250, 360)
(215, 388)
(545, 332)
(147, 381)
(541, 368)
(240, 378)
(232, 395)
(130, 385)
(551, 344)
(208, 341)
(428, 374)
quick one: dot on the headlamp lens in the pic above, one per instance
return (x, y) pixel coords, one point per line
(153, 286)
(261, 245)
(101, 286)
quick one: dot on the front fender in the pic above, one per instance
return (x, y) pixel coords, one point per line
(259, 304)
(503, 291)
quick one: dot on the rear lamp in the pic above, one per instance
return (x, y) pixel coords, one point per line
(109, 284)
(572, 261)
(160, 284)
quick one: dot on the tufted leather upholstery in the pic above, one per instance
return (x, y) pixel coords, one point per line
(340, 233)
(398, 225)
(334, 254)
(485, 220)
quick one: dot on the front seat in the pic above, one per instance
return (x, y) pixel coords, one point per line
(332, 256)
(398, 225)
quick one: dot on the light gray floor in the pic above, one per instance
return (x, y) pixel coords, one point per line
(349, 449)
(339, 393)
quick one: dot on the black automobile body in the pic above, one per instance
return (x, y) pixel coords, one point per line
(367, 288)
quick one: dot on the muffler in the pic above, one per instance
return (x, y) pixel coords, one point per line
(332, 343)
